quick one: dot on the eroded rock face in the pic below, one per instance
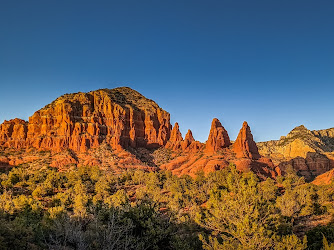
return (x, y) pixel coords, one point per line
(313, 165)
(218, 137)
(245, 146)
(217, 154)
(188, 140)
(121, 117)
(14, 132)
(95, 128)
(190, 144)
(175, 141)
(298, 143)
(309, 153)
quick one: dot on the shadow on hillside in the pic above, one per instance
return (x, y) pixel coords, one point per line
(311, 166)
(5, 167)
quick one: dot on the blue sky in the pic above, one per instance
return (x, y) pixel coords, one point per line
(270, 63)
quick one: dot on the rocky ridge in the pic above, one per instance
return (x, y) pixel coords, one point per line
(310, 153)
(120, 128)
(218, 152)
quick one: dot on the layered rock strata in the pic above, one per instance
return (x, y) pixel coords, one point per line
(121, 117)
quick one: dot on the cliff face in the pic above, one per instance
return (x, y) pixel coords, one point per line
(310, 153)
(121, 117)
(14, 133)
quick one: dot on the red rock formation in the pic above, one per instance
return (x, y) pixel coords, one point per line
(325, 178)
(188, 139)
(94, 128)
(122, 117)
(13, 133)
(245, 146)
(190, 145)
(175, 141)
(263, 167)
(190, 164)
(218, 137)
(176, 135)
(313, 165)
(244, 154)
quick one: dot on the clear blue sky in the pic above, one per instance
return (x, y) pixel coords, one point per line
(270, 63)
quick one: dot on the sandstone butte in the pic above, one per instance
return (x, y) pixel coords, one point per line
(120, 128)
(121, 117)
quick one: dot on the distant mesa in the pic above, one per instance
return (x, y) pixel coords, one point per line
(309, 153)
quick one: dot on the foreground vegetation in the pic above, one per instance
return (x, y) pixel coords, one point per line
(87, 208)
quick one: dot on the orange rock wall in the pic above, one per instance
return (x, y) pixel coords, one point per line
(84, 120)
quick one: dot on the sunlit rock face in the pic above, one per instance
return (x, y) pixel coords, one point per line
(119, 129)
(217, 153)
(309, 153)
(245, 146)
(218, 137)
(121, 117)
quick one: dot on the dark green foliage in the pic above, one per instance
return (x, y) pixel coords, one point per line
(87, 208)
(317, 234)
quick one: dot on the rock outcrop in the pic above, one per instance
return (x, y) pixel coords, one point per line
(298, 143)
(117, 129)
(310, 153)
(218, 137)
(311, 166)
(176, 139)
(245, 146)
(190, 144)
(121, 117)
(14, 132)
(188, 139)
(325, 178)
(216, 154)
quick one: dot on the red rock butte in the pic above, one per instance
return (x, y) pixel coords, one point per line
(122, 117)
